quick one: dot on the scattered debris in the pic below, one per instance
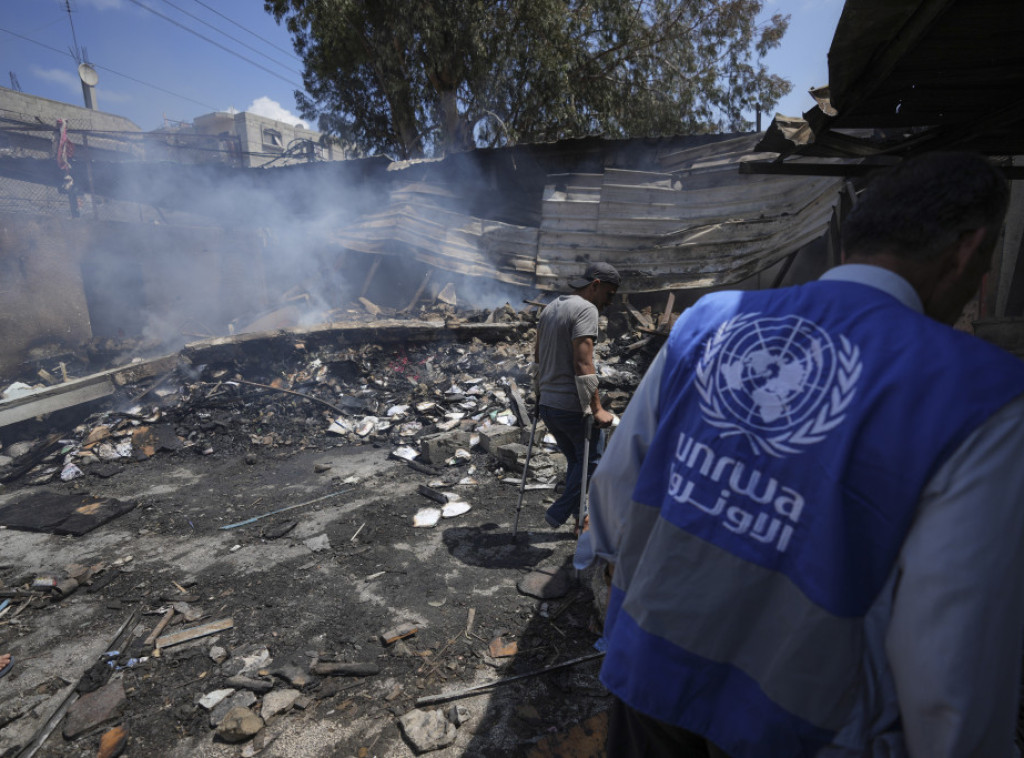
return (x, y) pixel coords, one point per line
(547, 583)
(113, 742)
(95, 708)
(449, 414)
(501, 649)
(194, 633)
(346, 669)
(398, 633)
(427, 517)
(427, 730)
(239, 724)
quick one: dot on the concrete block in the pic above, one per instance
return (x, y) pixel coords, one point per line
(438, 448)
(493, 438)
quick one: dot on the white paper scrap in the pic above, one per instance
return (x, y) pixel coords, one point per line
(427, 517)
(455, 509)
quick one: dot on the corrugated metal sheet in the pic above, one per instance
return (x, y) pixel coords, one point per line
(918, 75)
(696, 223)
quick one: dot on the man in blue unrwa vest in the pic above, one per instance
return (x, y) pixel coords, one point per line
(813, 504)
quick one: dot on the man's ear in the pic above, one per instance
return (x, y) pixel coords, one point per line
(968, 246)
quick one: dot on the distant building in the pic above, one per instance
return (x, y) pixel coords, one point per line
(31, 123)
(253, 141)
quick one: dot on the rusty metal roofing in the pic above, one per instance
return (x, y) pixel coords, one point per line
(688, 219)
(919, 75)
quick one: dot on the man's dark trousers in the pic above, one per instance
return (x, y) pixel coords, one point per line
(568, 429)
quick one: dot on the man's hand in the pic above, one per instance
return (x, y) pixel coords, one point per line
(603, 418)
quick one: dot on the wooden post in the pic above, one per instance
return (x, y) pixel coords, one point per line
(369, 275)
(419, 292)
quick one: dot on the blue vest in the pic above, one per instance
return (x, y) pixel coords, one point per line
(797, 429)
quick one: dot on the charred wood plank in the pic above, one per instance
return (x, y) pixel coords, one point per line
(384, 331)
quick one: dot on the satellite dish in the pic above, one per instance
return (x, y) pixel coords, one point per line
(88, 74)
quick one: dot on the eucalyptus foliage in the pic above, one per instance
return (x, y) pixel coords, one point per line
(419, 77)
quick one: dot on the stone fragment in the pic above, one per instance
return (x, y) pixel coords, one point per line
(248, 664)
(239, 725)
(94, 708)
(427, 730)
(546, 583)
(278, 530)
(241, 699)
(112, 743)
(319, 543)
(210, 700)
(218, 654)
(458, 714)
(277, 702)
(292, 674)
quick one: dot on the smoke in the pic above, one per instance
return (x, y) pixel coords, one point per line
(207, 251)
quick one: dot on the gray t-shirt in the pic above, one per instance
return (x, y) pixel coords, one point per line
(563, 320)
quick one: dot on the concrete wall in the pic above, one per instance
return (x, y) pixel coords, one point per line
(29, 108)
(43, 310)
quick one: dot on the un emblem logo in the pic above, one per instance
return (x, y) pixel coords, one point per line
(781, 382)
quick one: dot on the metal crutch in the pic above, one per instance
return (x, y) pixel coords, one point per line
(588, 428)
(526, 470)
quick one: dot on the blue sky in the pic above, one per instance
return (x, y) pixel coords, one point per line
(150, 68)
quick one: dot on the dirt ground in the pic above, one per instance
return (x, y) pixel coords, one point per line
(352, 567)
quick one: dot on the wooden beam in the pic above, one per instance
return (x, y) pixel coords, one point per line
(370, 274)
(79, 391)
(849, 170)
(419, 292)
(194, 633)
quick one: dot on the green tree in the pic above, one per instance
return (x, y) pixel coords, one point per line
(430, 76)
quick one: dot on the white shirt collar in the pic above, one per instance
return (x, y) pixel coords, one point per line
(880, 278)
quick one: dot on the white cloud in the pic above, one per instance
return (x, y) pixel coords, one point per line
(103, 5)
(68, 79)
(264, 106)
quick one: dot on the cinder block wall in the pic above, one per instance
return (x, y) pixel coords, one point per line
(43, 307)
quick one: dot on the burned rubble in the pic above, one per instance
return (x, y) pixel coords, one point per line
(271, 500)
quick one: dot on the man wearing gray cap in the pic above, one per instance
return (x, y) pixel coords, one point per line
(567, 378)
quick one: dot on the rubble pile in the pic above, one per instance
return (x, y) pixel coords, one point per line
(436, 403)
(314, 535)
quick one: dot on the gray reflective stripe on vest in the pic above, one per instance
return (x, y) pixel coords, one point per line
(699, 597)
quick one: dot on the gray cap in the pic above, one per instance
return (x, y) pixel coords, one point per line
(603, 272)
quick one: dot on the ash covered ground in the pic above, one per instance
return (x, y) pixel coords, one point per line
(341, 614)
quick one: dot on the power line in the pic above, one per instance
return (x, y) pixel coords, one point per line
(212, 42)
(161, 89)
(110, 70)
(247, 31)
(233, 39)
